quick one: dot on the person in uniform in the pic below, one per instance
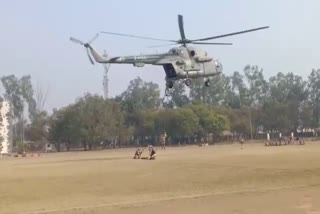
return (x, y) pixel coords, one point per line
(241, 142)
(152, 153)
(163, 140)
(137, 154)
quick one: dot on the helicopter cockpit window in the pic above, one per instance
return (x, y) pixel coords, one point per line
(174, 51)
(218, 66)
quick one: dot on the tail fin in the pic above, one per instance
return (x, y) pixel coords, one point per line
(87, 45)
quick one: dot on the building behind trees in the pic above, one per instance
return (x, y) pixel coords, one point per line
(5, 127)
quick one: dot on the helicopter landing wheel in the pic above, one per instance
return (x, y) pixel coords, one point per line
(166, 92)
(188, 82)
(170, 85)
(207, 83)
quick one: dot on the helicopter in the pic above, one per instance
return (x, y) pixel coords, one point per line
(179, 63)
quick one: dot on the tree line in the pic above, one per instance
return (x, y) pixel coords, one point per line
(244, 103)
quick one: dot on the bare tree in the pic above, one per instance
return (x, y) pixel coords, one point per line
(41, 97)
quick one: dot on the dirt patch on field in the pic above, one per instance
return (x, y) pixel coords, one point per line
(214, 179)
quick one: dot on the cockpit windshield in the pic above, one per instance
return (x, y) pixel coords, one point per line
(175, 51)
(219, 66)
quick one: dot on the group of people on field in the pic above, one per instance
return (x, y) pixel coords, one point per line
(152, 153)
(152, 150)
(284, 141)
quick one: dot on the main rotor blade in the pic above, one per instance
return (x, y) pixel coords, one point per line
(166, 45)
(231, 34)
(76, 41)
(139, 37)
(94, 38)
(211, 43)
(181, 27)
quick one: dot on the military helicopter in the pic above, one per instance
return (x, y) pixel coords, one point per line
(183, 62)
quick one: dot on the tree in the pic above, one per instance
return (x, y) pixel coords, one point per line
(217, 94)
(26, 90)
(140, 95)
(275, 117)
(13, 94)
(210, 122)
(165, 121)
(239, 121)
(41, 96)
(145, 125)
(287, 87)
(306, 116)
(178, 97)
(217, 123)
(55, 129)
(290, 91)
(34, 130)
(100, 119)
(17, 92)
(187, 122)
(239, 88)
(314, 97)
(258, 86)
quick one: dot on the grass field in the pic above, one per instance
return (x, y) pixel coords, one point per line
(214, 179)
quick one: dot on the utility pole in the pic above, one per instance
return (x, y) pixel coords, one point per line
(251, 123)
(22, 126)
(105, 80)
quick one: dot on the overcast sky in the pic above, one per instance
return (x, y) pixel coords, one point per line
(35, 38)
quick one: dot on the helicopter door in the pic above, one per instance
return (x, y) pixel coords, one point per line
(170, 71)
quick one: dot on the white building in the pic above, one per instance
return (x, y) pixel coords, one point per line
(5, 127)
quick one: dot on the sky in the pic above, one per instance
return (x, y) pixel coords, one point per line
(35, 36)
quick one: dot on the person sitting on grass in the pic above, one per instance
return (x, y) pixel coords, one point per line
(137, 154)
(152, 153)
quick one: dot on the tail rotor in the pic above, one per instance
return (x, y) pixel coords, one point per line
(86, 45)
(89, 56)
(77, 41)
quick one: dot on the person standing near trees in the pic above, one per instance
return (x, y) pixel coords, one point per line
(163, 138)
(241, 141)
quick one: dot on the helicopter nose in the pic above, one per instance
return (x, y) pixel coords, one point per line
(219, 66)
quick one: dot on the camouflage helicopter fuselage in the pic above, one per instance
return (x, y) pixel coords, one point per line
(183, 62)
(178, 63)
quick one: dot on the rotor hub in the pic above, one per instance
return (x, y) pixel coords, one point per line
(184, 41)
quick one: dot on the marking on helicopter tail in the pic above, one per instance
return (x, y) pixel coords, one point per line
(140, 57)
